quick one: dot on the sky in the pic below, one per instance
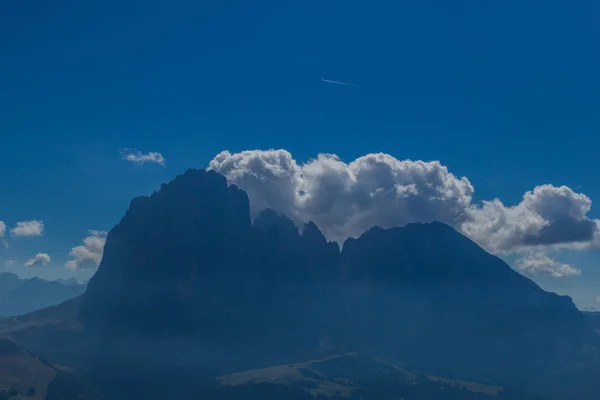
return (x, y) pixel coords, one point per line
(101, 101)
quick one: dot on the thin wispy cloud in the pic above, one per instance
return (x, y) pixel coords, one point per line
(137, 157)
(338, 82)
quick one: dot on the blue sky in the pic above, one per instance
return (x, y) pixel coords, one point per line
(503, 93)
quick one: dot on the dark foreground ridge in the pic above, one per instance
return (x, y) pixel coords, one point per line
(193, 298)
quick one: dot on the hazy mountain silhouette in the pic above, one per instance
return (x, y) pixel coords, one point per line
(443, 303)
(69, 281)
(188, 279)
(20, 296)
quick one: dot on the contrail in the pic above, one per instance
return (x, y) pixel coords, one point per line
(338, 82)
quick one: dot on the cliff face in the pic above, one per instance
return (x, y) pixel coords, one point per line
(187, 263)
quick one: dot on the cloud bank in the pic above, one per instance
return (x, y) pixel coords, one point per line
(39, 260)
(88, 255)
(2, 229)
(137, 157)
(28, 228)
(346, 199)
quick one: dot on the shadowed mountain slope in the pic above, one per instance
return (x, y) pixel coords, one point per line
(187, 269)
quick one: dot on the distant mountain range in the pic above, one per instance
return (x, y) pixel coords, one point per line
(196, 298)
(19, 296)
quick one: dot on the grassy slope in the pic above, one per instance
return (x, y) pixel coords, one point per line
(22, 371)
(52, 333)
(323, 377)
(61, 315)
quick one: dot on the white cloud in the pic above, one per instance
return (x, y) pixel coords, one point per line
(137, 157)
(39, 260)
(547, 216)
(8, 263)
(28, 228)
(537, 262)
(89, 254)
(346, 199)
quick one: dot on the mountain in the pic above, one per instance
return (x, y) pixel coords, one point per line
(68, 282)
(189, 282)
(19, 296)
(190, 257)
(449, 306)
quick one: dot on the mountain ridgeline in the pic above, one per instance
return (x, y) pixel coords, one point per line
(188, 269)
(20, 296)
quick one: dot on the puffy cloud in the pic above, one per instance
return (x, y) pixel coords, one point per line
(137, 157)
(8, 263)
(346, 199)
(271, 178)
(538, 262)
(89, 254)
(546, 216)
(39, 260)
(28, 228)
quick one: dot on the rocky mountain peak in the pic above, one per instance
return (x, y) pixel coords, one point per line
(187, 262)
